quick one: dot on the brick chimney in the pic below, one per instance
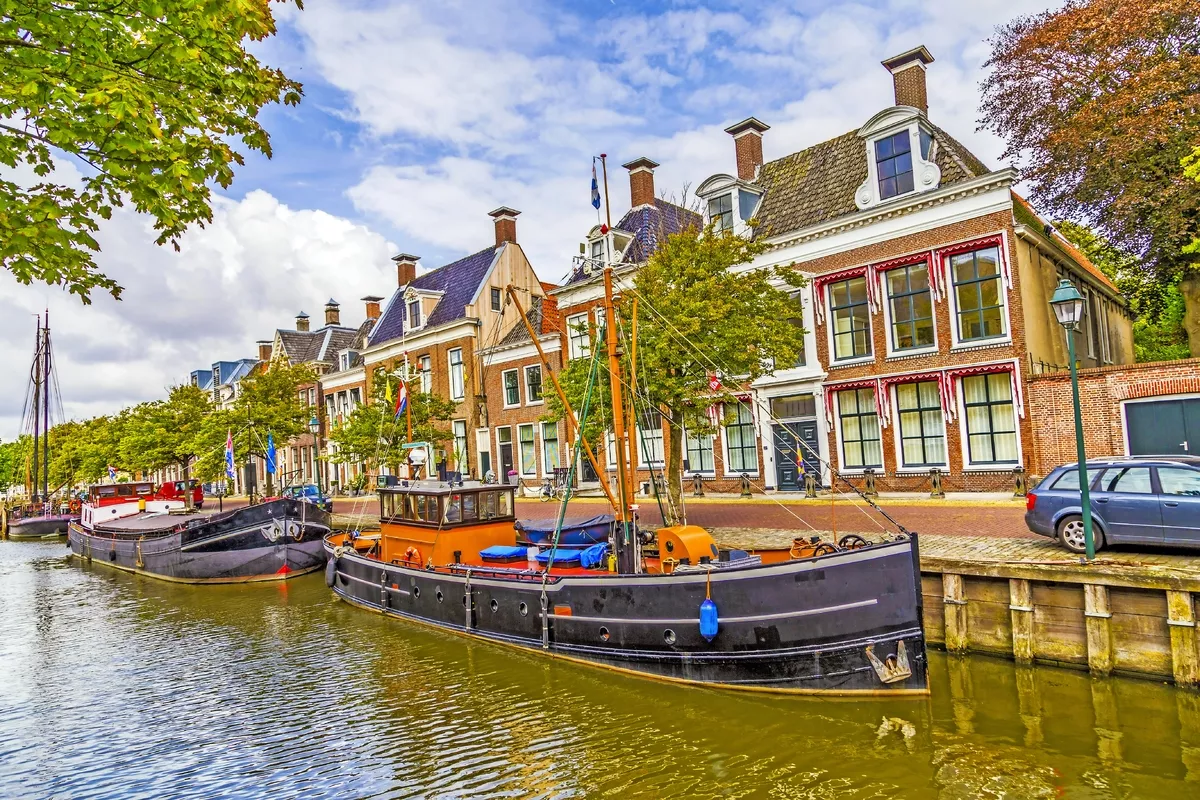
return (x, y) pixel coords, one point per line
(372, 306)
(506, 224)
(333, 315)
(302, 321)
(641, 181)
(747, 143)
(908, 76)
(406, 268)
(264, 351)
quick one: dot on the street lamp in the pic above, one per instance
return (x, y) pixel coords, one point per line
(314, 425)
(1067, 303)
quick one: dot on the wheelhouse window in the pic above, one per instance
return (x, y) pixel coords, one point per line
(550, 452)
(991, 419)
(700, 453)
(850, 319)
(922, 435)
(911, 307)
(533, 384)
(457, 384)
(512, 389)
(893, 165)
(741, 449)
(414, 313)
(720, 213)
(978, 294)
(859, 423)
(528, 450)
(579, 343)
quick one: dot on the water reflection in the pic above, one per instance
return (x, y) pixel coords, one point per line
(118, 686)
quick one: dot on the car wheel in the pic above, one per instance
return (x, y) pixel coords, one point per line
(1070, 534)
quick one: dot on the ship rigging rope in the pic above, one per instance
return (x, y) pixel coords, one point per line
(765, 408)
(636, 395)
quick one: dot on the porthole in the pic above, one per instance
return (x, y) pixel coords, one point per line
(439, 596)
(495, 606)
(524, 609)
(669, 636)
(604, 635)
(670, 546)
(416, 591)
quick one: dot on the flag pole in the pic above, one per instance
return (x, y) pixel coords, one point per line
(407, 400)
(604, 168)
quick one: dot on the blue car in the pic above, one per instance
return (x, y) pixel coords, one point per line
(1142, 500)
(309, 493)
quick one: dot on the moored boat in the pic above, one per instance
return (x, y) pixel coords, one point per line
(128, 527)
(30, 524)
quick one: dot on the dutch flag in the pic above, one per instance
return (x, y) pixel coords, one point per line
(401, 399)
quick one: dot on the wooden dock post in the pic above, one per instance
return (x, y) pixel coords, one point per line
(1181, 617)
(956, 613)
(1098, 616)
(1020, 606)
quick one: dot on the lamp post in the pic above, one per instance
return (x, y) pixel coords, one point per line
(1067, 303)
(314, 425)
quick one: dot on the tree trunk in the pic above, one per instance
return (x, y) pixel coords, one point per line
(1189, 287)
(674, 471)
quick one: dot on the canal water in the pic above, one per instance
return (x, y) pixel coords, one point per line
(116, 686)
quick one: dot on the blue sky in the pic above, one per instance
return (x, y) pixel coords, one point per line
(418, 118)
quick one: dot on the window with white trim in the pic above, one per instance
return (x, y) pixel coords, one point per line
(579, 342)
(650, 439)
(460, 444)
(700, 453)
(850, 319)
(550, 451)
(990, 419)
(414, 313)
(528, 449)
(910, 307)
(720, 213)
(978, 294)
(859, 424)
(512, 388)
(533, 384)
(598, 251)
(426, 365)
(496, 298)
(1093, 323)
(741, 446)
(893, 164)
(922, 428)
(458, 388)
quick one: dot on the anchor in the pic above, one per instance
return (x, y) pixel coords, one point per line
(894, 667)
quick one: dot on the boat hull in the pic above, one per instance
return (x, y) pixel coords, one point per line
(801, 626)
(272, 541)
(39, 527)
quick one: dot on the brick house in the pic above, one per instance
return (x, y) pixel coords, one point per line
(342, 390)
(515, 384)
(435, 325)
(927, 302)
(626, 246)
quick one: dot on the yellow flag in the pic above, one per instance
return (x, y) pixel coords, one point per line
(387, 392)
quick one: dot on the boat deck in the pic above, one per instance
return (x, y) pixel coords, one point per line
(144, 523)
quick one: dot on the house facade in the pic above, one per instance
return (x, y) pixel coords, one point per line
(342, 390)
(926, 305)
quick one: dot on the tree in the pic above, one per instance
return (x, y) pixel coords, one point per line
(701, 314)
(150, 97)
(168, 432)
(1097, 100)
(373, 435)
(11, 459)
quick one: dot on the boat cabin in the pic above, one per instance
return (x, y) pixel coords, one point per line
(107, 494)
(111, 501)
(426, 522)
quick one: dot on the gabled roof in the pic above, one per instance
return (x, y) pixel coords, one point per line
(817, 184)
(321, 345)
(458, 282)
(648, 224)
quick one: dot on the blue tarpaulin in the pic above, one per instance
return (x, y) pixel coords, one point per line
(575, 530)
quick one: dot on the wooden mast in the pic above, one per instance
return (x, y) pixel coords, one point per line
(626, 550)
(37, 410)
(46, 410)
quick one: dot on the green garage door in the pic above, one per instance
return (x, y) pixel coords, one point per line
(1164, 427)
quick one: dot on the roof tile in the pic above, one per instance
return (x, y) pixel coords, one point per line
(458, 281)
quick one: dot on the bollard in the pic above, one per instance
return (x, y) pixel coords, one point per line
(810, 484)
(1019, 485)
(745, 485)
(935, 480)
(869, 489)
(697, 485)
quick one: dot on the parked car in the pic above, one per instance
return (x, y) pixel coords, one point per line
(1143, 500)
(310, 493)
(173, 490)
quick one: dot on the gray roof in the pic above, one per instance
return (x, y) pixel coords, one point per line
(458, 281)
(321, 345)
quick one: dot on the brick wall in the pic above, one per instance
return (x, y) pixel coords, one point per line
(1101, 392)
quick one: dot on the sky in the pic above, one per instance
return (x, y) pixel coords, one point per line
(419, 118)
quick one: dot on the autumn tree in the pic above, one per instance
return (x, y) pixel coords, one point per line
(702, 314)
(1097, 102)
(153, 100)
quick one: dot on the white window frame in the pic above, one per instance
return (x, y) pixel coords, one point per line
(460, 466)
(542, 387)
(957, 343)
(834, 361)
(733, 212)
(546, 465)
(494, 300)
(886, 300)
(838, 440)
(712, 443)
(897, 438)
(1105, 342)
(408, 314)
(1089, 309)
(504, 387)
(927, 175)
(575, 339)
(641, 451)
(461, 392)
(520, 458)
(726, 470)
(483, 444)
(425, 363)
(964, 433)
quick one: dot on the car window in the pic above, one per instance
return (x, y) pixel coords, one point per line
(1131, 480)
(1176, 480)
(1069, 480)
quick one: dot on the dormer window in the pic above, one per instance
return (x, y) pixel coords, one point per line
(414, 313)
(901, 157)
(893, 165)
(597, 254)
(720, 213)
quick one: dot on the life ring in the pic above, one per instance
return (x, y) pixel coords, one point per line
(412, 556)
(75, 506)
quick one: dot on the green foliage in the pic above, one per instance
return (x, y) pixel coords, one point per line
(166, 432)
(152, 97)
(371, 435)
(1163, 337)
(11, 463)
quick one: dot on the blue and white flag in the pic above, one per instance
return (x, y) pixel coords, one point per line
(595, 187)
(270, 453)
(229, 455)
(112, 474)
